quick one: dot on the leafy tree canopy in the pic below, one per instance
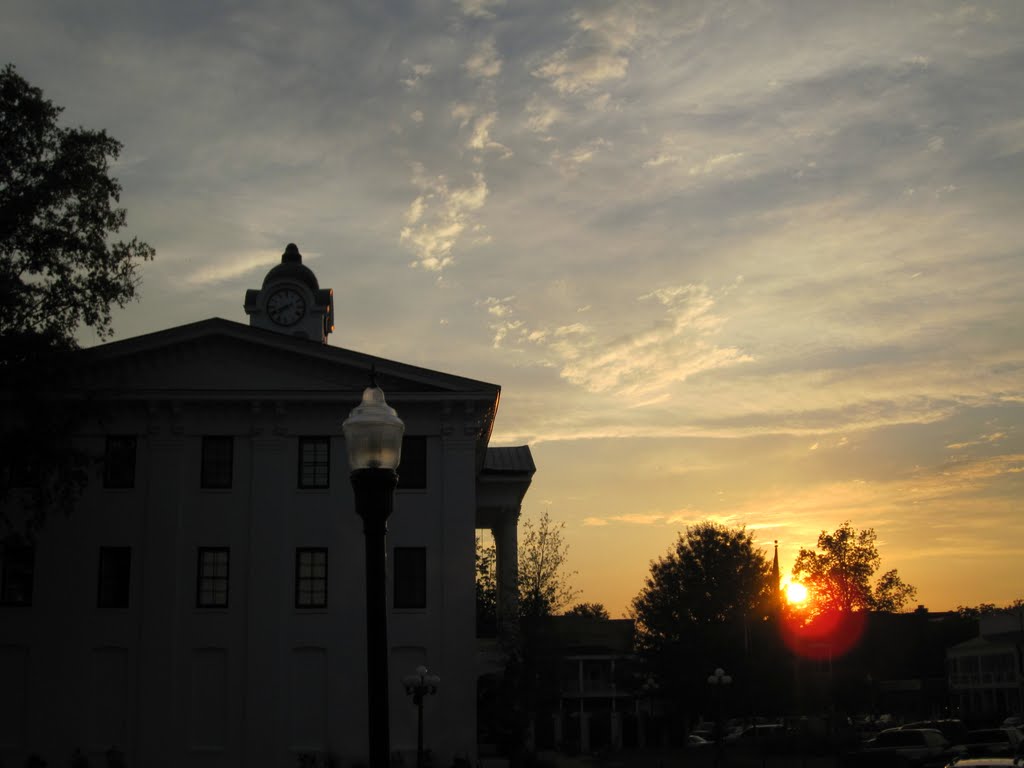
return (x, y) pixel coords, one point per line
(589, 611)
(59, 268)
(839, 576)
(486, 590)
(985, 609)
(544, 586)
(712, 574)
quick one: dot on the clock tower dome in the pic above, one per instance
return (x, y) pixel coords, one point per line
(291, 300)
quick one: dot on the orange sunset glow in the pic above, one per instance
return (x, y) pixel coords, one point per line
(796, 593)
(738, 263)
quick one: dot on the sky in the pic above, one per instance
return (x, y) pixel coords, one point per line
(752, 262)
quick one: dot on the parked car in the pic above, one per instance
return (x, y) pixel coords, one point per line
(954, 730)
(769, 738)
(994, 742)
(984, 762)
(706, 732)
(920, 747)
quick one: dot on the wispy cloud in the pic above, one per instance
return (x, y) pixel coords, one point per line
(672, 340)
(994, 437)
(417, 73)
(482, 9)
(437, 218)
(480, 138)
(484, 62)
(596, 54)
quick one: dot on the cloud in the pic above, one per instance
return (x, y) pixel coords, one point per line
(684, 518)
(596, 53)
(227, 267)
(418, 72)
(484, 62)
(569, 162)
(667, 346)
(480, 138)
(995, 437)
(639, 519)
(481, 9)
(437, 218)
(541, 115)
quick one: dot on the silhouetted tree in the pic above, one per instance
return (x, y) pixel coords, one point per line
(839, 576)
(486, 590)
(544, 588)
(59, 270)
(589, 611)
(984, 609)
(713, 574)
(704, 606)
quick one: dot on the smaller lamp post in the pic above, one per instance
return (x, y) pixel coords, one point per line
(648, 691)
(718, 681)
(418, 685)
(373, 437)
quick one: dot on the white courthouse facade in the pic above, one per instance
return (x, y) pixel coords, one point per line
(204, 604)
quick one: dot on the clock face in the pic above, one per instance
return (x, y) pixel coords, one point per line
(286, 306)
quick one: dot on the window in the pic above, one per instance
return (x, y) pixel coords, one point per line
(212, 579)
(114, 577)
(412, 471)
(311, 577)
(119, 462)
(410, 577)
(314, 462)
(17, 564)
(217, 461)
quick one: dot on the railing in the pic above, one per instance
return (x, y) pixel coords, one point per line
(982, 680)
(602, 687)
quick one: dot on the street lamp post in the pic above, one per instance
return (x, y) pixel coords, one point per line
(649, 689)
(718, 681)
(418, 685)
(373, 437)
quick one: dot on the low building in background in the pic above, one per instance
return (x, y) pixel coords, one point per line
(986, 673)
(582, 682)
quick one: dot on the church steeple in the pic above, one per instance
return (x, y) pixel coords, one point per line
(291, 300)
(776, 578)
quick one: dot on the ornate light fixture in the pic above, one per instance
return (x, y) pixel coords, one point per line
(373, 439)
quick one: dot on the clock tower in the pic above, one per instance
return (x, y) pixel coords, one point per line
(291, 300)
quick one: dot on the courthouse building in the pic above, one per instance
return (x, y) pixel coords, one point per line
(204, 604)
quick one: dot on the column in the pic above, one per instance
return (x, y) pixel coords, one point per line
(506, 540)
(453, 731)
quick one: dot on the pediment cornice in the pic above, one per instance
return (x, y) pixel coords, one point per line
(219, 356)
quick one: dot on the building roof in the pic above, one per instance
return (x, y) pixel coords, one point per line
(517, 459)
(292, 268)
(217, 359)
(580, 635)
(391, 375)
(988, 644)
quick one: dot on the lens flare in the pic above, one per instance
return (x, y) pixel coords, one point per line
(825, 635)
(796, 593)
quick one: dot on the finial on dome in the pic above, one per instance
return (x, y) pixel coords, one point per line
(291, 254)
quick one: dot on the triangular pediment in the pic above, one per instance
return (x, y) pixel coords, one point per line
(220, 356)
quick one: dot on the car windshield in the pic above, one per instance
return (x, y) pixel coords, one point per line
(982, 737)
(899, 739)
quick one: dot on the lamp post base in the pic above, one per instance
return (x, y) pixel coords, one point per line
(374, 495)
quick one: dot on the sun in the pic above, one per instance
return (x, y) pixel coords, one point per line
(796, 593)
